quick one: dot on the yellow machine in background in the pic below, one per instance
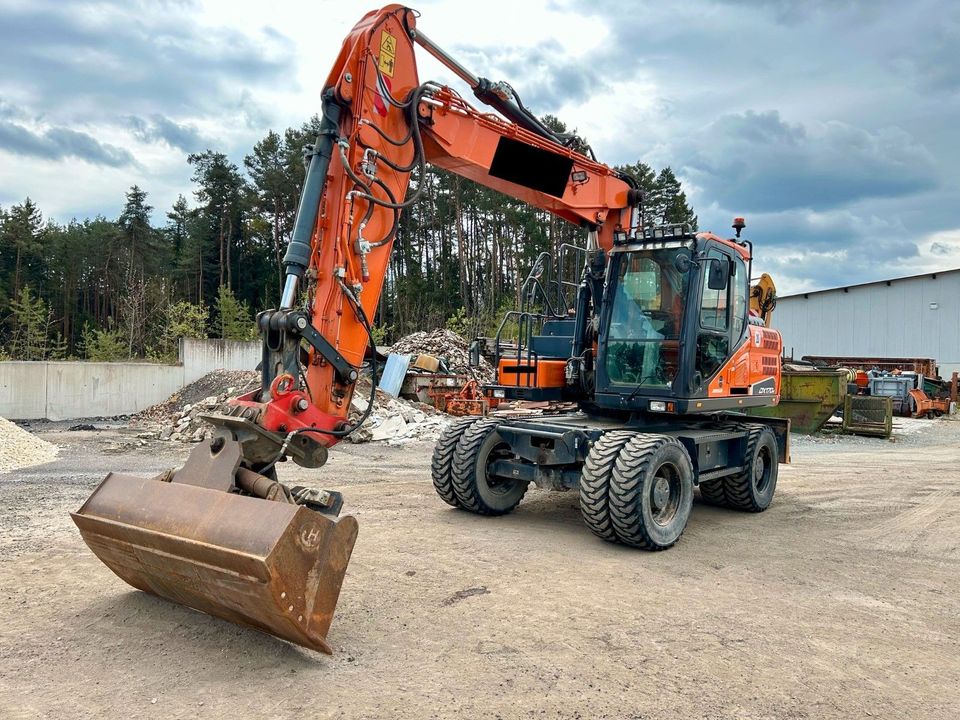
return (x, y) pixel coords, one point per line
(763, 298)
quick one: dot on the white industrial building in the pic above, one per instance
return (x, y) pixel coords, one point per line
(909, 317)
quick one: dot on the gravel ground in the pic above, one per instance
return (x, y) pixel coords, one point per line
(841, 601)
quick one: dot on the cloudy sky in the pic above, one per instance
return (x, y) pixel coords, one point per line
(832, 125)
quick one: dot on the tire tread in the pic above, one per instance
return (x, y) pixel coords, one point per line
(441, 463)
(738, 489)
(595, 483)
(464, 469)
(626, 490)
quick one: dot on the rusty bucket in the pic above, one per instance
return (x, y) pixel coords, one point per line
(273, 566)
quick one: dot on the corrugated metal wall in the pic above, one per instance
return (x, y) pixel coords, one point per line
(895, 320)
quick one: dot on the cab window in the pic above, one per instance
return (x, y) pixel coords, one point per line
(741, 295)
(713, 303)
(713, 341)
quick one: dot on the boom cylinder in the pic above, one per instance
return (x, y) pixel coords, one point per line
(297, 258)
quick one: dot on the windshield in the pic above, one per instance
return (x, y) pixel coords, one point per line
(646, 318)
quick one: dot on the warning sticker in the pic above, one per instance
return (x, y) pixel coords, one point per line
(388, 53)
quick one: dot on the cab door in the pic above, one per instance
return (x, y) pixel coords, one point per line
(714, 322)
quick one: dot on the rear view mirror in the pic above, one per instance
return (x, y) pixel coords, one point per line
(718, 275)
(682, 262)
(473, 359)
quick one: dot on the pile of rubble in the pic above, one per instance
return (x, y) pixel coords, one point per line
(449, 347)
(395, 420)
(177, 417)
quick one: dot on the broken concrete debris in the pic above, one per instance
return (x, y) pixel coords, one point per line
(177, 417)
(450, 349)
(392, 419)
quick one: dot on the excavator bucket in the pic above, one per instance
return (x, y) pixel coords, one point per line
(272, 565)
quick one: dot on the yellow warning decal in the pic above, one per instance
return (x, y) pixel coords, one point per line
(388, 53)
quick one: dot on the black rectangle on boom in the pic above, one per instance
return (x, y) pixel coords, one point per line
(531, 167)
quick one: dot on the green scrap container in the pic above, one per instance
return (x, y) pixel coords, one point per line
(808, 398)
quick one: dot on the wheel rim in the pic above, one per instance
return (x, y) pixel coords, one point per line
(664, 494)
(761, 470)
(496, 484)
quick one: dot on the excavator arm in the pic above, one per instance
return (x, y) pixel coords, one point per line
(221, 534)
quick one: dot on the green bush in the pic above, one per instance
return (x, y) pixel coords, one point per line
(104, 345)
(180, 320)
(381, 333)
(460, 323)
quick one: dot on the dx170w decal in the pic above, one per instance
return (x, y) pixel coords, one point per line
(767, 386)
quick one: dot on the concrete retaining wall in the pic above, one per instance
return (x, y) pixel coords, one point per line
(68, 390)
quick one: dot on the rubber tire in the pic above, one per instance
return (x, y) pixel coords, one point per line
(712, 493)
(741, 490)
(630, 486)
(441, 464)
(470, 485)
(595, 483)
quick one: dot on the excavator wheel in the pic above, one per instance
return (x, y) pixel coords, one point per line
(712, 493)
(651, 492)
(595, 483)
(475, 489)
(441, 465)
(753, 489)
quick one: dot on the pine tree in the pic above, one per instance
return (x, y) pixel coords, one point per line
(233, 316)
(176, 227)
(22, 232)
(646, 180)
(275, 194)
(138, 239)
(29, 321)
(670, 202)
(221, 192)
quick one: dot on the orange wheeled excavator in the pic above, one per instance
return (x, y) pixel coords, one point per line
(658, 351)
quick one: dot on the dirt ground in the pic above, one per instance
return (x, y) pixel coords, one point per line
(841, 601)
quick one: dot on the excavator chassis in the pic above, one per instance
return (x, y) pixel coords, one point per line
(225, 540)
(636, 476)
(550, 451)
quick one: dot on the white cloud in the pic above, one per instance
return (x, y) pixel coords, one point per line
(852, 173)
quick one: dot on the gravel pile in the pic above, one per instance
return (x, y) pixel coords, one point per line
(450, 347)
(20, 449)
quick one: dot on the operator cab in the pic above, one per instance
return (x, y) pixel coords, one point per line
(674, 311)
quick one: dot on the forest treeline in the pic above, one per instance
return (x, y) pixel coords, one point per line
(129, 287)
